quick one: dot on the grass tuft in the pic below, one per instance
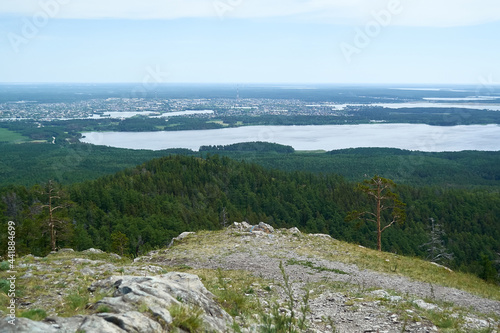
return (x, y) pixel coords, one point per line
(4, 266)
(34, 314)
(75, 303)
(187, 318)
(311, 265)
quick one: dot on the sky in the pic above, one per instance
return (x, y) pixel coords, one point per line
(251, 41)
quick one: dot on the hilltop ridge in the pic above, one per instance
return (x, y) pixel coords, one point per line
(349, 288)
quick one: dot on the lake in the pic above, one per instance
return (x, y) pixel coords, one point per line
(126, 114)
(315, 137)
(432, 103)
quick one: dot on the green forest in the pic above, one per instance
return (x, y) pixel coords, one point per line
(34, 163)
(141, 208)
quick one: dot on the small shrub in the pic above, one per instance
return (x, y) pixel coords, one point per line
(187, 318)
(76, 303)
(233, 301)
(277, 322)
(443, 320)
(4, 266)
(4, 286)
(280, 321)
(183, 267)
(34, 314)
(103, 309)
(249, 291)
(143, 307)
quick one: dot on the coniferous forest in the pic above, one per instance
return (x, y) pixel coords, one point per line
(143, 208)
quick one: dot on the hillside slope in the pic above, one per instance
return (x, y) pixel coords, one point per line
(349, 288)
(150, 204)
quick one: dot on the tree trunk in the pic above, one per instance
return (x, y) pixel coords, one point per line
(379, 231)
(51, 224)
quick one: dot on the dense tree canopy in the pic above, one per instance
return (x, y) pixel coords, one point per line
(142, 208)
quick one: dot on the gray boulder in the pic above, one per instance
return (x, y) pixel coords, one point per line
(92, 250)
(160, 292)
(180, 237)
(132, 322)
(23, 325)
(138, 304)
(259, 228)
(97, 324)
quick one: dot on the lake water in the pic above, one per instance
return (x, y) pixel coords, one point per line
(126, 114)
(438, 103)
(326, 137)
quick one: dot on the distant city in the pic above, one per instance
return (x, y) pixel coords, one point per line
(64, 102)
(128, 107)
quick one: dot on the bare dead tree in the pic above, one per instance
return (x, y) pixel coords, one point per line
(497, 263)
(436, 248)
(53, 196)
(224, 217)
(14, 204)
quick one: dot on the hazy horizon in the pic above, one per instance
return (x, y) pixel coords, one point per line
(396, 85)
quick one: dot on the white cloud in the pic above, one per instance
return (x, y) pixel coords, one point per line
(415, 12)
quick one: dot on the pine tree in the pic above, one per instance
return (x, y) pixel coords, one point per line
(119, 242)
(380, 189)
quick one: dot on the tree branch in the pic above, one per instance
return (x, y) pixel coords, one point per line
(387, 226)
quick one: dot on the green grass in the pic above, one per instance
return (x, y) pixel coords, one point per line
(76, 303)
(92, 256)
(75, 296)
(239, 291)
(10, 136)
(187, 318)
(4, 286)
(222, 243)
(390, 263)
(447, 317)
(34, 314)
(313, 266)
(4, 266)
(103, 309)
(234, 290)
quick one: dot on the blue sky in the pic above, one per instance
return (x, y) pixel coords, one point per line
(250, 41)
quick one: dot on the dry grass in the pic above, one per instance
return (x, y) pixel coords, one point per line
(413, 268)
(223, 243)
(238, 291)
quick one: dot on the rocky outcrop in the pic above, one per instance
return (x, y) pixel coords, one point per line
(141, 297)
(261, 228)
(180, 237)
(137, 304)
